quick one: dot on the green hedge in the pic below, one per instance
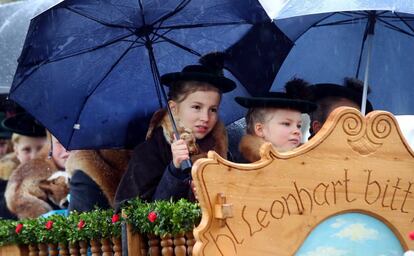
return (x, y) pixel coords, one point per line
(158, 218)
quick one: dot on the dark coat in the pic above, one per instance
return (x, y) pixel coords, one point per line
(95, 173)
(151, 174)
(85, 194)
(4, 211)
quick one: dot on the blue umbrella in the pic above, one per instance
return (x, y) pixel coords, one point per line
(370, 40)
(89, 70)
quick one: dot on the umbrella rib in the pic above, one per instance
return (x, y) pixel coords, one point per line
(393, 27)
(341, 22)
(178, 45)
(89, 49)
(405, 22)
(202, 25)
(68, 56)
(179, 7)
(98, 84)
(94, 19)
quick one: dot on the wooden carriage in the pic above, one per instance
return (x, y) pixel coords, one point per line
(355, 164)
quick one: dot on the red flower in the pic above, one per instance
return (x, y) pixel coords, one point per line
(49, 225)
(81, 224)
(19, 228)
(411, 235)
(115, 218)
(152, 216)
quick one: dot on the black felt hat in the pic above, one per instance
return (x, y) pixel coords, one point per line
(24, 124)
(276, 100)
(294, 98)
(209, 70)
(352, 90)
(5, 134)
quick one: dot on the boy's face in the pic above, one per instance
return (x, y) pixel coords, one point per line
(281, 128)
(27, 148)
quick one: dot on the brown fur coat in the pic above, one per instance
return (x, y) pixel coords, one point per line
(8, 163)
(29, 191)
(104, 167)
(249, 147)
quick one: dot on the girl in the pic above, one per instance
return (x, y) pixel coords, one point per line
(194, 98)
(274, 118)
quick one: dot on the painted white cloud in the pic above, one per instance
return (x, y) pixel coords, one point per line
(338, 223)
(358, 232)
(325, 251)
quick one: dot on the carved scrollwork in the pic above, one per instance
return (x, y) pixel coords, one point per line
(367, 138)
(353, 125)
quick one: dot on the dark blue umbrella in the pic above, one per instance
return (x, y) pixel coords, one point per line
(370, 40)
(89, 70)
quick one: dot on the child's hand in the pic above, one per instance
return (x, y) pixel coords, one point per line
(179, 152)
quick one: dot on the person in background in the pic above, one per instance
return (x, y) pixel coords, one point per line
(331, 96)
(194, 98)
(41, 184)
(28, 137)
(276, 118)
(5, 136)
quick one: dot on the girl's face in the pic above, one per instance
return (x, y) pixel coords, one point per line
(27, 148)
(198, 112)
(59, 154)
(281, 128)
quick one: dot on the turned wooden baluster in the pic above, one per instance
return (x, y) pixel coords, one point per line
(42, 249)
(53, 250)
(153, 244)
(190, 242)
(116, 241)
(143, 245)
(63, 249)
(95, 247)
(74, 249)
(167, 246)
(106, 247)
(83, 248)
(33, 250)
(179, 242)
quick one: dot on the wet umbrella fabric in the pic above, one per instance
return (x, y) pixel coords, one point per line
(14, 22)
(85, 70)
(331, 42)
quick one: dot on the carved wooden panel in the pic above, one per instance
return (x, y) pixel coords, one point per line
(354, 164)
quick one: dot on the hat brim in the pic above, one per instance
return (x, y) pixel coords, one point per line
(321, 91)
(24, 125)
(302, 106)
(222, 83)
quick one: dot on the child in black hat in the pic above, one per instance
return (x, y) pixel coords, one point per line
(28, 138)
(194, 98)
(329, 96)
(275, 118)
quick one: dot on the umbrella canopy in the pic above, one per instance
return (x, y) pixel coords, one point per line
(14, 22)
(332, 41)
(89, 69)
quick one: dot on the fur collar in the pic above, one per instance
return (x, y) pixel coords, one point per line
(216, 140)
(249, 147)
(104, 167)
(8, 163)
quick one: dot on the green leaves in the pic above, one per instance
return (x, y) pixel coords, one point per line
(158, 218)
(163, 217)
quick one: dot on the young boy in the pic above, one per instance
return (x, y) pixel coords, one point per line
(275, 118)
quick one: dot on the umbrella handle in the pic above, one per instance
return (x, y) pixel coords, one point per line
(186, 165)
